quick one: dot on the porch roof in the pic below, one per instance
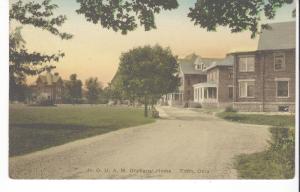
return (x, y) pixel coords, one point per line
(206, 84)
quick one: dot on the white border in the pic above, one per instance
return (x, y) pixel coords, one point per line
(8, 185)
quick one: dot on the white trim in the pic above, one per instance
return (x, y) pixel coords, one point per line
(283, 79)
(282, 97)
(246, 80)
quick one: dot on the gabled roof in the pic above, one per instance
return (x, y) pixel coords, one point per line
(280, 36)
(187, 65)
(227, 61)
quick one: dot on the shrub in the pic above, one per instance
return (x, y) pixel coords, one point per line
(186, 105)
(155, 113)
(230, 109)
(197, 105)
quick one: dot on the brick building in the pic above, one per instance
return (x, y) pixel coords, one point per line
(264, 80)
(217, 91)
(48, 88)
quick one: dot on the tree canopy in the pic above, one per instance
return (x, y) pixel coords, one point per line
(73, 91)
(123, 15)
(238, 15)
(94, 89)
(147, 73)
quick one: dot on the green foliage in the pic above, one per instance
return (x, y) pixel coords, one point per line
(238, 15)
(277, 162)
(147, 73)
(22, 62)
(260, 119)
(230, 109)
(123, 15)
(94, 88)
(37, 128)
(39, 15)
(73, 90)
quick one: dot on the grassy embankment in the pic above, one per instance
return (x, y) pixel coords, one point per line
(37, 128)
(277, 162)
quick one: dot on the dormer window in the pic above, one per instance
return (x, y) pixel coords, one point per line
(198, 67)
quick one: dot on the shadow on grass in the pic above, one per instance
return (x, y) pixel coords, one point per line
(26, 138)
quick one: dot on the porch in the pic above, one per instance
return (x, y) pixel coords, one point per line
(206, 93)
(172, 99)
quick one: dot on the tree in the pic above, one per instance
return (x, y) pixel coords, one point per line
(238, 15)
(74, 89)
(94, 89)
(122, 15)
(22, 62)
(147, 73)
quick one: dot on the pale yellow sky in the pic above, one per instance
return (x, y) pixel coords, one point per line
(95, 52)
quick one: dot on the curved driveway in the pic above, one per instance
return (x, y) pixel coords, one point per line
(184, 144)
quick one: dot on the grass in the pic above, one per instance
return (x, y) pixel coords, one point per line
(278, 161)
(37, 128)
(206, 110)
(260, 119)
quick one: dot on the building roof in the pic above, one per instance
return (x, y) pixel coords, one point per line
(187, 65)
(279, 36)
(49, 78)
(227, 61)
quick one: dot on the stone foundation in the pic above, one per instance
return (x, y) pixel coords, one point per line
(266, 107)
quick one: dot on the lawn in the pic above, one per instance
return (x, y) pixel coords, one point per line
(36, 128)
(276, 162)
(260, 119)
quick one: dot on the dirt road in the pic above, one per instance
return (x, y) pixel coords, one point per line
(182, 145)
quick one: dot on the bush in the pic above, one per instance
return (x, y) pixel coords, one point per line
(155, 113)
(230, 109)
(186, 105)
(196, 105)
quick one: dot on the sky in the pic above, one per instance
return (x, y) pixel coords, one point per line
(95, 51)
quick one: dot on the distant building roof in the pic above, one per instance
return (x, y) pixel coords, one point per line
(49, 78)
(227, 61)
(187, 65)
(280, 36)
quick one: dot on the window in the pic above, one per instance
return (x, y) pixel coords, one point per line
(230, 75)
(282, 88)
(279, 61)
(283, 108)
(197, 66)
(246, 64)
(246, 88)
(230, 92)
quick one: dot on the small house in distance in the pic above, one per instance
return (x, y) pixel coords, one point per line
(48, 88)
(264, 80)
